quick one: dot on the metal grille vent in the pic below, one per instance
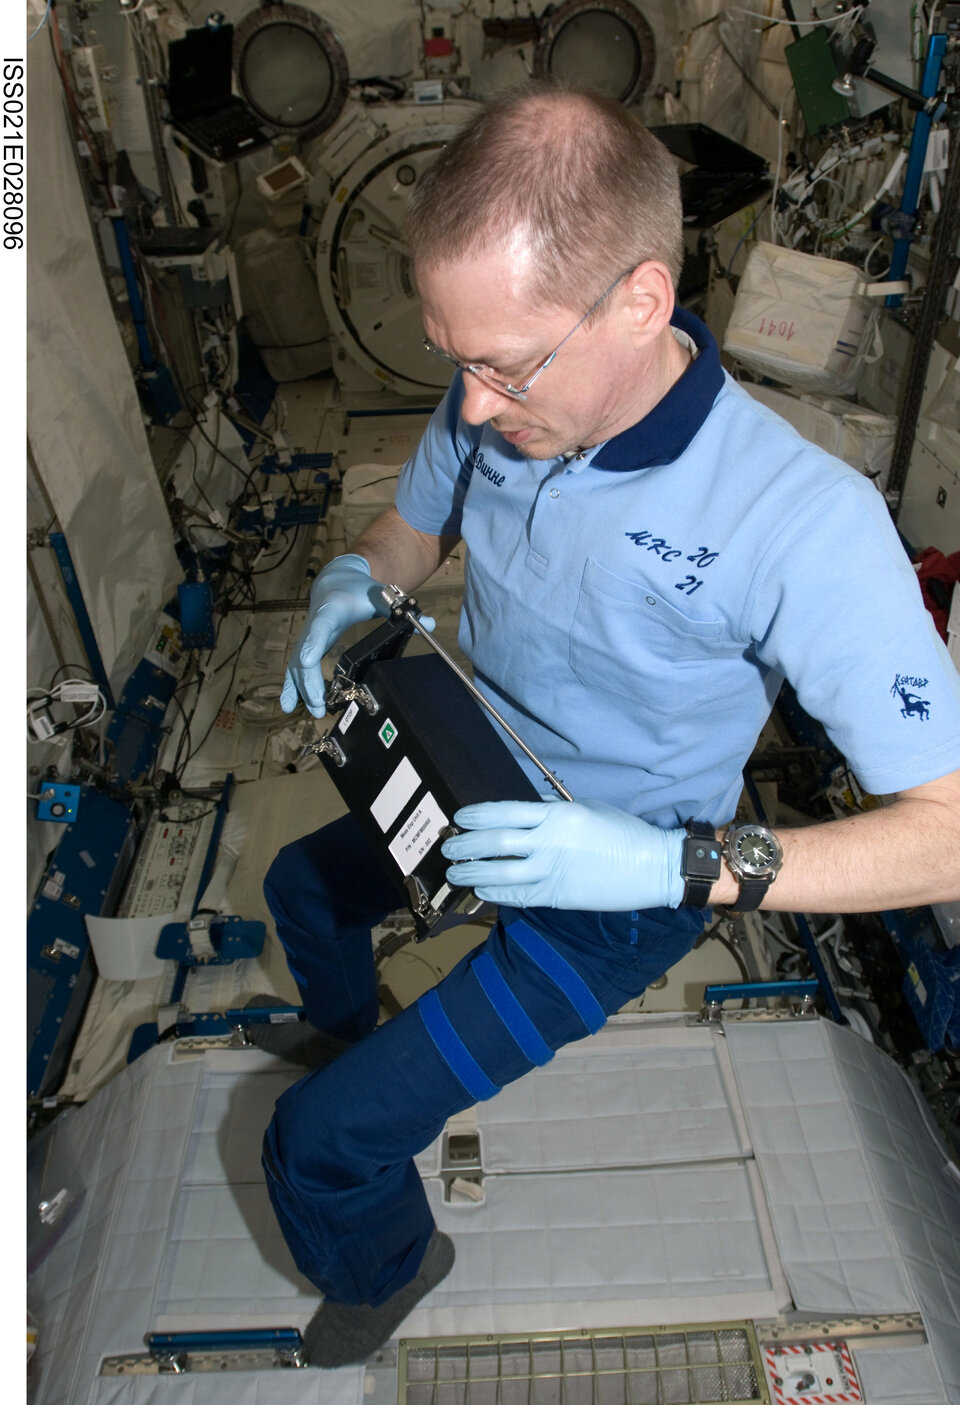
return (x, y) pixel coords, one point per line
(675, 1366)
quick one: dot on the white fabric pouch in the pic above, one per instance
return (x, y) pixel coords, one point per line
(805, 321)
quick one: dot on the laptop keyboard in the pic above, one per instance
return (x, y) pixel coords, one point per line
(220, 128)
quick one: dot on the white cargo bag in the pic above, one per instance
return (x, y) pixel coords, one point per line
(862, 438)
(805, 321)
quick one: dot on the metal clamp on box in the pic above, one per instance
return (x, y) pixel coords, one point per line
(410, 747)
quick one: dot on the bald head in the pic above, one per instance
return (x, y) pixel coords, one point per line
(568, 177)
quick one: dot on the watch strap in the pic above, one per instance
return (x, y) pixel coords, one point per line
(700, 863)
(752, 893)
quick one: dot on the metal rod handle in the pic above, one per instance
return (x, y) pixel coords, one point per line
(399, 603)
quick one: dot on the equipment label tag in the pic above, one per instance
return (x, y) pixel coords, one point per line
(418, 835)
(348, 717)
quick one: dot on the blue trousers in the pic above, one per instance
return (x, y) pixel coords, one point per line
(338, 1152)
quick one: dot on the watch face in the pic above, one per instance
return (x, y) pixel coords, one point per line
(757, 852)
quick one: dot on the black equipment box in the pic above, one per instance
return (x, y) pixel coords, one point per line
(410, 747)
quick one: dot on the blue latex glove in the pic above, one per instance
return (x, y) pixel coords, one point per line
(569, 854)
(343, 594)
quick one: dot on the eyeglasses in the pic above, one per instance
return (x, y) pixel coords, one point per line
(490, 377)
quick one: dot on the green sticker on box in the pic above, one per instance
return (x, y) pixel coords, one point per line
(388, 733)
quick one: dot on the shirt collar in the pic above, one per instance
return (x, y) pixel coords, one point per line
(663, 434)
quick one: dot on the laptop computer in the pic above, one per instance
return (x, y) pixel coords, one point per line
(203, 109)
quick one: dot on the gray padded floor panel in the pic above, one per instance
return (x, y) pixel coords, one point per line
(626, 1097)
(866, 1214)
(626, 1183)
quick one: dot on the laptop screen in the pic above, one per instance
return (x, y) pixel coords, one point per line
(200, 71)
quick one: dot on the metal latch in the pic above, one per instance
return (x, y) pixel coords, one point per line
(327, 746)
(420, 904)
(342, 690)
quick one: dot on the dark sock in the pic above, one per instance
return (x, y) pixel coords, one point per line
(297, 1041)
(344, 1334)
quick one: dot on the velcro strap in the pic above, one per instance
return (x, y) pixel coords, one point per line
(452, 1049)
(559, 970)
(508, 1007)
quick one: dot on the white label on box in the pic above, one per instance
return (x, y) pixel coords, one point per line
(419, 834)
(348, 717)
(395, 794)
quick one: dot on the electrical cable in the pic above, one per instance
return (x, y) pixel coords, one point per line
(185, 734)
(196, 463)
(249, 422)
(60, 668)
(875, 277)
(189, 819)
(774, 223)
(46, 16)
(283, 558)
(247, 477)
(154, 62)
(868, 205)
(850, 16)
(236, 651)
(45, 698)
(741, 964)
(246, 421)
(244, 582)
(781, 938)
(767, 102)
(192, 753)
(260, 706)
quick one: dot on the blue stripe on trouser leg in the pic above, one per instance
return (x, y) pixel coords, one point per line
(338, 1154)
(452, 1049)
(325, 892)
(510, 1010)
(560, 971)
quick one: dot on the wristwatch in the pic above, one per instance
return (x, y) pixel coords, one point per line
(754, 857)
(700, 863)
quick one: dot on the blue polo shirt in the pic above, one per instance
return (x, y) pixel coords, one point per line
(633, 611)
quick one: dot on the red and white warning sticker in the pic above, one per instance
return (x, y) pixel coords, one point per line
(813, 1373)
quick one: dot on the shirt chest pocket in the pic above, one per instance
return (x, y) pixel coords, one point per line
(627, 639)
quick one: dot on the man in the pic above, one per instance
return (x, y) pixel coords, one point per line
(649, 553)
